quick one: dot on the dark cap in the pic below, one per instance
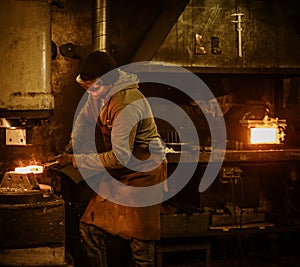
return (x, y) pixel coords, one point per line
(96, 64)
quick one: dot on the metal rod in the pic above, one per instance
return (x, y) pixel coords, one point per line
(239, 30)
(239, 43)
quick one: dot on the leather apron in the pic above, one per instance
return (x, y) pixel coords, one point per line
(128, 222)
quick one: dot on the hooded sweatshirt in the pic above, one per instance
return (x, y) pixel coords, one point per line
(126, 113)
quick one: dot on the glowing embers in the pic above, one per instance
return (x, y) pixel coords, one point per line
(35, 169)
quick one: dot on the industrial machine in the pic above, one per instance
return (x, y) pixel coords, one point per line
(32, 217)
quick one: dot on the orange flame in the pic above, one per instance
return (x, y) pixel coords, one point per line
(35, 169)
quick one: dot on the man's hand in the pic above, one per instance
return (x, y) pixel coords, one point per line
(69, 148)
(73, 144)
(64, 159)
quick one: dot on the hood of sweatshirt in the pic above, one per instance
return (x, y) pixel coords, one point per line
(126, 81)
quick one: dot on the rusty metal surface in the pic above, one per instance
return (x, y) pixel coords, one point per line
(265, 35)
(26, 56)
(33, 224)
(31, 197)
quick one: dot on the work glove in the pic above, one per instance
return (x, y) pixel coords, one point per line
(65, 159)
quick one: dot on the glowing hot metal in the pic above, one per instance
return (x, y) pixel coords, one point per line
(264, 136)
(35, 169)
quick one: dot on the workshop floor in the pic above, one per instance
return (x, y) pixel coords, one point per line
(258, 251)
(290, 261)
(259, 254)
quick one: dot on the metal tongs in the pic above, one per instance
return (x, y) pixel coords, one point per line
(50, 164)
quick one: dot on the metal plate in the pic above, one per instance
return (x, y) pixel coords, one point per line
(16, 137)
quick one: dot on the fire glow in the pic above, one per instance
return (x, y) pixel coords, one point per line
(269, 131)
(35, 169)
(264, 136)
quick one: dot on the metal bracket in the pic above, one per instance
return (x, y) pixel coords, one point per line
(230, 174)
(16, 137)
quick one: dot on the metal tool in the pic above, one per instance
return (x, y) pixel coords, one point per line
(199, 48)
(215, 49)
(199, 44)
(48, 165)
(239, 30)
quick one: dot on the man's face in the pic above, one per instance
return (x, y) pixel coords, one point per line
(94, 87)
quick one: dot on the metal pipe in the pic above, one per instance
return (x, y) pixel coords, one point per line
(100, 26)
(25, 54)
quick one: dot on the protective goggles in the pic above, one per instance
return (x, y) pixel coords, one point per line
(92, 85)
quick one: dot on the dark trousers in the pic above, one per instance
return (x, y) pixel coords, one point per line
(102, 249)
